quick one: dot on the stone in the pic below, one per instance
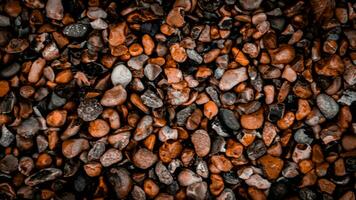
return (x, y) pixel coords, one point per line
(76, 30)
(137, 62)
(250, 4)
(89, 109)
(144, 158)
(7, 137)
(111, 157)
(229, 119)
(121, 182)
(73, 147)
(121, 75)
(187, 177)
(256, 150)
(258, 182)
(233, 77)
(327, 105)
(54, 9)
(197, 191)
(163, 174)
(150, 99)
(253, 120)
(144, 128)
(167, 133)
(201, 142)
(114, 97)
(44, 175)
(152, 71)
(272, 166)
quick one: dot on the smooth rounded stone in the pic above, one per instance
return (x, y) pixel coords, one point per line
(73, 147)
(229, 119)
(256, 150)
(167, 133)
(202, 169)
(213, 95)
(301, 137)
(42, 176)
(10, 70)
(114, 97)
(257, 181)
(99, 24)
(121, 75)
(76, 30)
(187, 177)
(8, 164)
(119, 140)
(178, 97)
(28, 128)
(111, 157)
(144, 158)
(163, 174)
(4, 21)
(219, 129)
(54, 9)
(197, 191)
(327, 105)
(193, 55)
(226, 194)
(7, 137)
(89, 109)
(228, 98)
(120, 180)
(96, 13)
(26, 165)
(56, 101)
(250, 4)
(144, 128)
(201, 141)
(348, 97)
(96, 151)
(152, 71)
(137, 62)
(150, 99)
(272, 166)
(233, 77)
(137, 193)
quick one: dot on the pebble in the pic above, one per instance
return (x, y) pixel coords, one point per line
(8, 164)
(174, 75)
(150, 99)
(201, 142)
(183, 114)
(210, 109)
(26, 165)
(137, 193)
(96, 13)
(152, 71)
(269, 133)
(226, 194)
(144, 128)
(76, 30)
(73, 147)
(219, 129)
(202, 169)
(301, 137)
(333, 66)
(175, 18)
(272, 166)
(28, 128)
(253, 120)
(197, 191)
(111, 157)
(170, 150)
(167, 133)
(6, 136)
(96, 151)
(258, 182)
(178, 53)
(163, 174)
(120, 180)
(119, 140)
(233, 77)
(117, 35)
(17, 45)
(348, 97)
(114, 97)
(229, 119)
(327, 106)
(195, 56)
(137, 62)
(283, 55)
(250, 4)
(92, 169)
(89, 109)
(256, 150)
(187, 177)
(99, 24)
(54, 9)
(216, 184)
(121, 75)
(221, 163)
(178, 97)
(98, 128)
(144, 158)
(36, 70)
(10, 70)
(44, 175)
(4, 88)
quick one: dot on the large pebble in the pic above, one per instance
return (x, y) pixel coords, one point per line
(198, 191)
(114, 97)
(229, 119)
(233, 77)
(89, 109)
(144, 158)
(201, 142)
(188, 177)
(144, 128)
(163, 174)
(121, 182)
(111, 157)
(151, 100)
(6, 136)
(250, 4)
(327, 105)
(42, 176)
(73, 147)
(121, 75)
(258, 182)
(54, 9)
(76, 30)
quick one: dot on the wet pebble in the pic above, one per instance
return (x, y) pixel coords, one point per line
(120, 180)
(75, 30)
(150, 99)
(188, 177)
(144, 158)
(233, 77)
(327, 105)
(229, 119)
(111, 157)
(152, 71)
